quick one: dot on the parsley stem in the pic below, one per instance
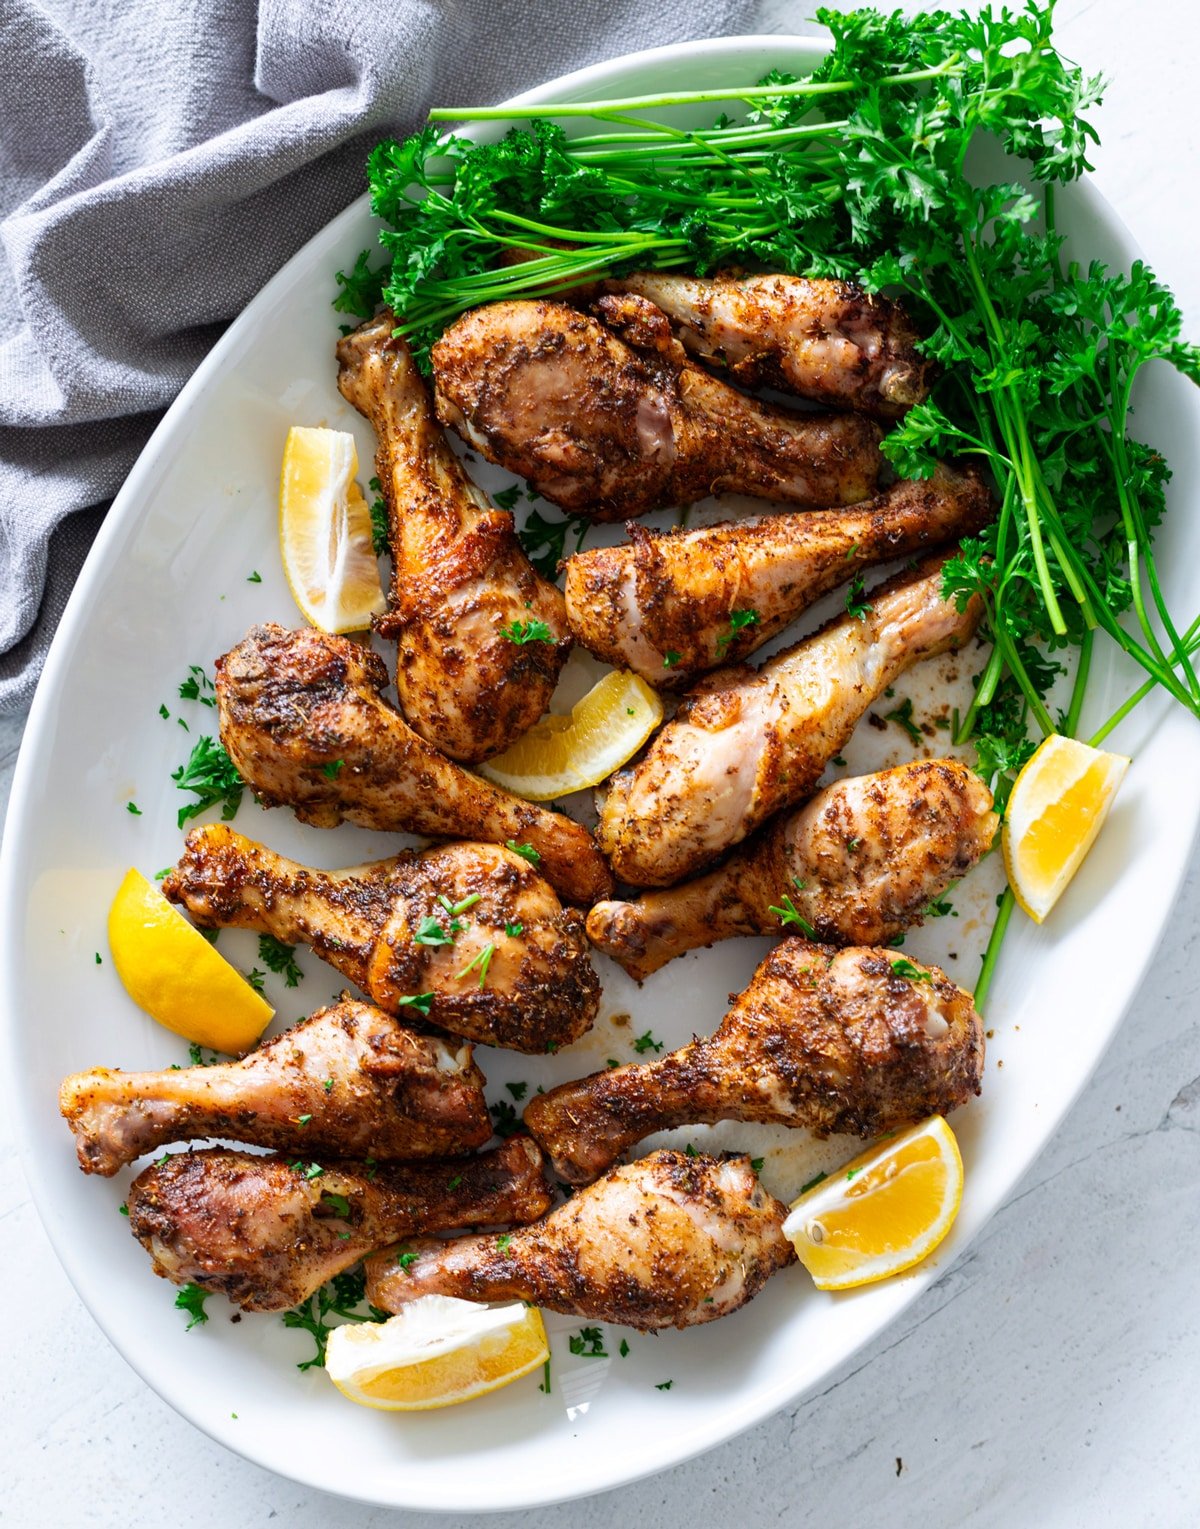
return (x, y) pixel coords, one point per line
(1071, 722)
(990, 956)
(605, 110)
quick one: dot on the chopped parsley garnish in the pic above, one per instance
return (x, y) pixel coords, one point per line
(455, 1181)
(905, 968)
(302, 1120)
(507, 498)
(544, 1383)
(99, 962)
(339, 1203)
(503, 1241)
(812, 1183)
(342, 1297)
(787, 913)
(454, 909)
(198, 1059)
(527, 631)
(405, 1260)
(123, 1209)
(333, 769)
(517, 1090)
(589, 1342)
(482, 959)
(254, 578)
(505, 1119)
(624, 1349)
(164, 713)
(280, 958)
(857, 605)
(671, 658)
(644, 1043)
(939, 908)
(191, 1298)
(526, 851)
(756, 1163)
(256, 979)
(738, 622)
(328, 1085)
(313, 1171)
(430, 932)
(902, 716)
(132, 807)
(544, 540)
(664, 1385)
(197, 687)
(379, 519)
(210, 776)
(514, 931)
(691, 1151)
(419, 1001)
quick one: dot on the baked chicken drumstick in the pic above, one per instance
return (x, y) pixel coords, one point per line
(747, 742)
(350, 1081)
(831, 1040)
(682, 593)
(460, 579)
(473, 927)
(826, 340)
(668, 1242)
(857, 865)
(604, 428)
(267, 1232)
(306, 725)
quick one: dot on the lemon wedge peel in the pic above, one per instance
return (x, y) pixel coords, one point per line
(1055, 811)
(438, 1352)
(560, 754)
(172, 972)
(325, 536)
(881, 1213)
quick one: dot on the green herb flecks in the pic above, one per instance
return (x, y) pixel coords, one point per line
(280, 958)
(905, 968)
(522, 632)
(210, 776)
(787, 913)
(526, 851)
(647, 1042)
(738, 622)
(857, 604)
(902, 716)
(544, 540)
(191, 1298)
(588, 1342)
(481, 959)
(344, 1296)
(379, 520)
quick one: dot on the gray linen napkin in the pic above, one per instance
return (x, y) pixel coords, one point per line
(159, 160)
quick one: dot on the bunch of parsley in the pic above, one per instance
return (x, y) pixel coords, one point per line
(878, 168)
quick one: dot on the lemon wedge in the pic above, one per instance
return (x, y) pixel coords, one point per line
(170, 970)
(1056, 809)
(438, 1352)
(881, 1213)
(325, 532)
(563, 754)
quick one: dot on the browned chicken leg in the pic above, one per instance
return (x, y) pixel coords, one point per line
(853, 1040)
(747, 742)
(714, 595)
(303, 719)
(668, 1242)
(267, 1232)
(603, 428)
(857, 865)
(472, 927)
(350, 1081)
(460, 581)
(826, 340)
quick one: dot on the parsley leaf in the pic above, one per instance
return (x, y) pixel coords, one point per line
(191, 1298)
(589, 1342)
(210, 776)
(522, 632)
(278, 957)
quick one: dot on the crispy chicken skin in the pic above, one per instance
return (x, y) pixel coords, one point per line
(861, 862)
(670, 1241)
(676, 592)
(459, 575)
(831, 1040)
(825, 340)
(421, 922)
(747, 742)
(267, 1232)
(304, 721)
(394, 1094)
(612, 429)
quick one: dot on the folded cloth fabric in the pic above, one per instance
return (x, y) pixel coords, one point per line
(159, 160)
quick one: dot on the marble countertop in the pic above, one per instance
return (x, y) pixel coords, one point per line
(1047, 1378)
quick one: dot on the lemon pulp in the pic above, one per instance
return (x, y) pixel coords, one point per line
(559, 755)
(881, 1213)
(437, 1352)
(325, 531)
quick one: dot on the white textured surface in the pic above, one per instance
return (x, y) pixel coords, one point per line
(1047, 1379)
